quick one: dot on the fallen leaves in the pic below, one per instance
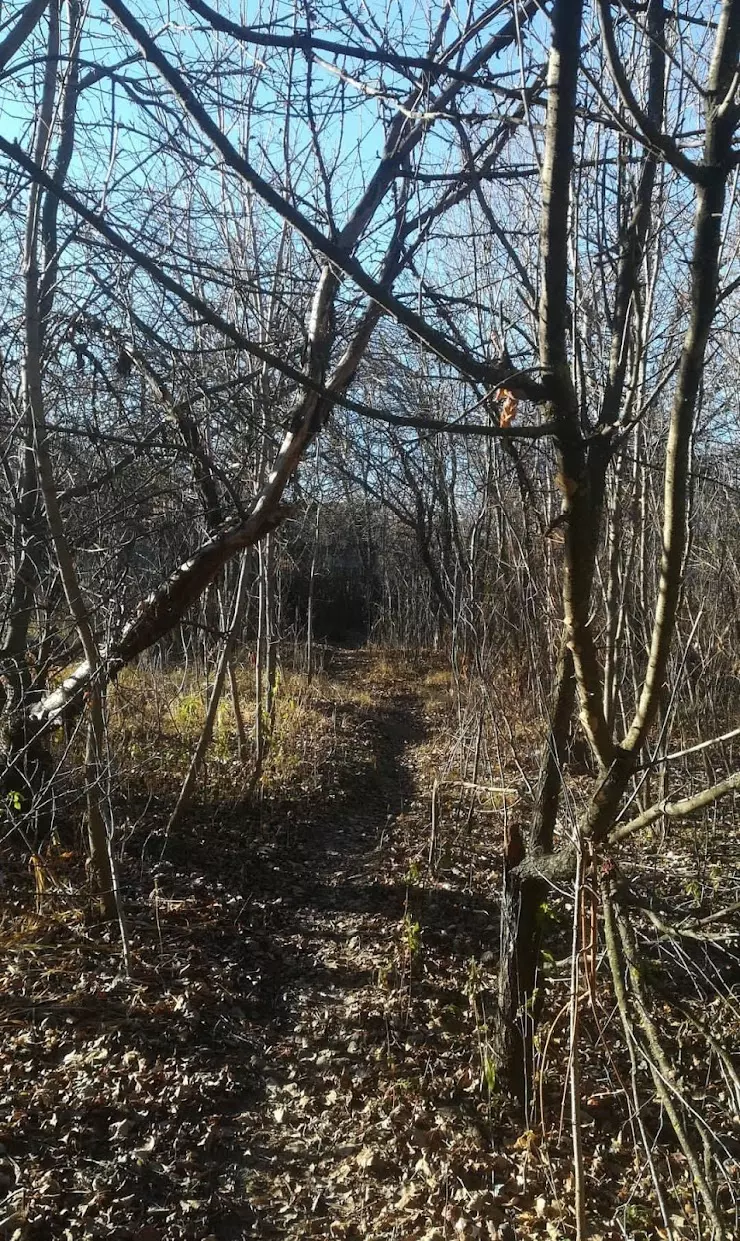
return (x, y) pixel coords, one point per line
(277, 1068)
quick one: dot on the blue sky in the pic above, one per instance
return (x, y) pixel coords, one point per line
(122, 144)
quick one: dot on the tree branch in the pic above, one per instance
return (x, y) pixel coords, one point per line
(657, 140)
(29, 18)
(677, 809)
(337, 252)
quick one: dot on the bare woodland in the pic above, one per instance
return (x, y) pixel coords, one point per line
(401, 332)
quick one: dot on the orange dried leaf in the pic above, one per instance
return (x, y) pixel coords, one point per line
(509, 406)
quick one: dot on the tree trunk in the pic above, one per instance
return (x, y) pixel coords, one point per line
(519, 996)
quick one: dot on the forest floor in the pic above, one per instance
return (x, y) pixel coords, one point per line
(302, 1048)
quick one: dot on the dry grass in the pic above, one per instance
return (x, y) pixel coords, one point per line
(155, 719)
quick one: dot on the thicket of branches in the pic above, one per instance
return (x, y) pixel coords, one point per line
(412, 323)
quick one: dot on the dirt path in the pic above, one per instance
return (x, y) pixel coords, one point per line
(370, 1111)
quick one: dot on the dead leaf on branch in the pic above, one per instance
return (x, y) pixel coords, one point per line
(509, 406)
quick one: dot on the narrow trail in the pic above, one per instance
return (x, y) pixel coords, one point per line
(357, 1061)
